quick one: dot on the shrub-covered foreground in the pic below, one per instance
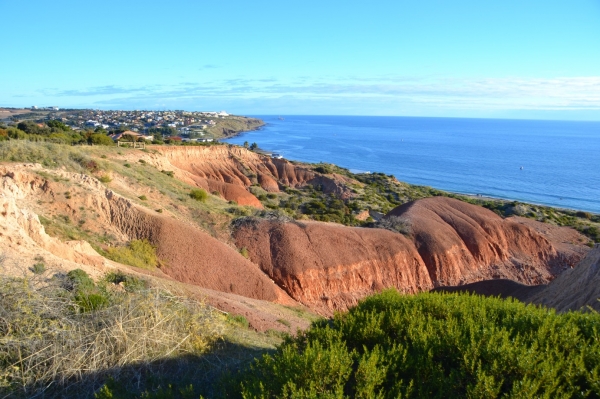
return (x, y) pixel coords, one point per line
(64, 335)
(435, 346)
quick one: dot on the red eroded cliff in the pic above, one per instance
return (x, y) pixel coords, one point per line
(460, 243)
(191, 255)
(231, 170)
(329, 267)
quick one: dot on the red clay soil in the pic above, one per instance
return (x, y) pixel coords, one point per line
(462, 243)
(261, 315)
(231, 170)
(193, 256)
(329, 267)
(569, 242)
(576, 288)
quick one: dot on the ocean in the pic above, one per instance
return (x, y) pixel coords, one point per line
(552, 163)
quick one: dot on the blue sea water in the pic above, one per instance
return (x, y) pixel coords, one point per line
(554, 163)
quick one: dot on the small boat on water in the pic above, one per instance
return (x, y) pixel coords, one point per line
(281, 118)
(276, 156)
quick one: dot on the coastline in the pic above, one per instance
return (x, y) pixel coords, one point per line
(471, 196)
(235, 126)
(499, 160)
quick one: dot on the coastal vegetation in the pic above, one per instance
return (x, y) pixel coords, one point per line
(433, 346)
(379, 193)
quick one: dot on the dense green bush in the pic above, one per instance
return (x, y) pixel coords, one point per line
(435, 346)
(100, 139)
(86, 295)
(198, 194)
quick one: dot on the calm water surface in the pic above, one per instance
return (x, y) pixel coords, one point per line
(547, 162)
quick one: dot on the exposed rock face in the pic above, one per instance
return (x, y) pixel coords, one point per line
(193, 256)
(329, 267)
(21, 231)
(325, 266)
(461, 243)
(574, 289)
(231, 170)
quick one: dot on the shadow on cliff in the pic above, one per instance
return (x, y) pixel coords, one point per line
(207, 375)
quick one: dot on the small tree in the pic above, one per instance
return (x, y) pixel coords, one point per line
(253, 146)
(246, 144)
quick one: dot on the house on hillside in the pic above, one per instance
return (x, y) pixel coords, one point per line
(129, 138)
(119, 136)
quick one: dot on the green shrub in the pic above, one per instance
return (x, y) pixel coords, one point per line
(198, 194)
(434, 346)
(239, 320)
(130, 283)
(169, 173)
(89, 302)
(100, 139)
(143, 197)
(79, 280)
(105, 179)
(38, 268)
(244, 252)
(138, 253)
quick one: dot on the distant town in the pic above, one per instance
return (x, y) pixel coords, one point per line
(177, 124)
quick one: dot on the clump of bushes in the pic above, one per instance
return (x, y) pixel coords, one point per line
(138, 253)
(86, 295)
(198, 194)
(434, 345)
(130, 283)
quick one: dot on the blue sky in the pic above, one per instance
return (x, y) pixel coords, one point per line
(501, 59)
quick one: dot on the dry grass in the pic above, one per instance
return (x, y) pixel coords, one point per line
(48, 343)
